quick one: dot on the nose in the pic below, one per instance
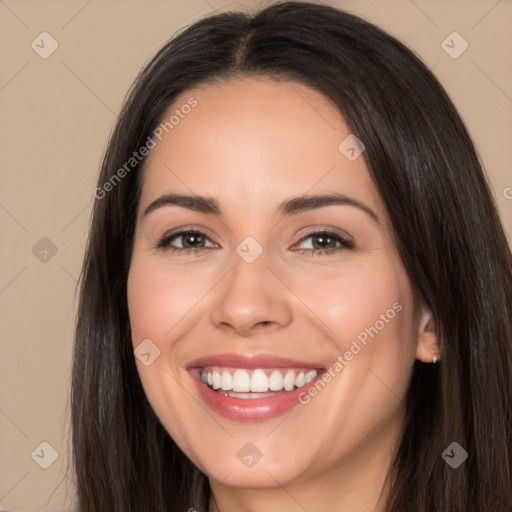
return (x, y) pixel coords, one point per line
(251, 299)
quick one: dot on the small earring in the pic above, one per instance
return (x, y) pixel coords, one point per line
(434, 358)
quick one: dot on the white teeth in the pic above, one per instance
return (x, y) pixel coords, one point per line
(226, 381)
(289, 380)
(261, 381)
(241, 381)
(310, 376)
(275, 381)
(216, 380)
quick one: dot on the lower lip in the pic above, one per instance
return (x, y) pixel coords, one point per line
(250, 409)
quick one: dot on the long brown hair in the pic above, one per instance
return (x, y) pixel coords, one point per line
(446, 228)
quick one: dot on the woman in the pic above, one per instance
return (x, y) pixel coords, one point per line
(297, 293)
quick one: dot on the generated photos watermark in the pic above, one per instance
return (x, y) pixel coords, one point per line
(139, 155)
(343, 359)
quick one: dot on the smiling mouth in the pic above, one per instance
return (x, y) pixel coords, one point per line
(255, 383)
(252, 387)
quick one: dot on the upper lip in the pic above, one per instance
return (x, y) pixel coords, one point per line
(248, 361)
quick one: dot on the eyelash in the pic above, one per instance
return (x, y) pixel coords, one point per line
(164, 243)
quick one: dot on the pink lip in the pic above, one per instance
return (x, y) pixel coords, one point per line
(250, 361)
(252, 409)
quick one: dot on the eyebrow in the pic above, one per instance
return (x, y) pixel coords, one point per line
(294, 205)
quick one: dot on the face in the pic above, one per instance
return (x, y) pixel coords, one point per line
(299, 313)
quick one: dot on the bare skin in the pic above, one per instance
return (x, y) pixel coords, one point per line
(251, 144)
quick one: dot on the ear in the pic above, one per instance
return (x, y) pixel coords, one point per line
(428, 345)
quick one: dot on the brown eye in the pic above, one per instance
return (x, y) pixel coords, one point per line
(184, 240)
(321, 242)
(192, 240)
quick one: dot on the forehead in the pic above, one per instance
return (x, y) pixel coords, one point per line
(254, 140)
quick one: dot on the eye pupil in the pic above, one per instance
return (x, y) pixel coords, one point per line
(192, 239)
(323, 241)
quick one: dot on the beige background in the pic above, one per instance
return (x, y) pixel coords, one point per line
(56, 115)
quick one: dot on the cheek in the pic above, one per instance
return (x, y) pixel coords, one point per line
(366, 310)
(159, 297)
(356, 300)
(157, 301)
